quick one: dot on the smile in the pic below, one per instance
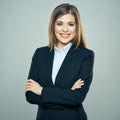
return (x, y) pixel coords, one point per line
(64, 35)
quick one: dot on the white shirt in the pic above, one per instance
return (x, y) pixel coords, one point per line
(59, 56)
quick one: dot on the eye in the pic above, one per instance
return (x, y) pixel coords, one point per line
(71, 24)
(59, 23)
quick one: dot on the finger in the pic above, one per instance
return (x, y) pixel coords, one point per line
(78, 85)
(30, 80)
(28, 84)
(80, 79)
(79, 82)
(27, 89)
(73, 88)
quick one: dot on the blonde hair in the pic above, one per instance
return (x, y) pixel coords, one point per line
(79, 39)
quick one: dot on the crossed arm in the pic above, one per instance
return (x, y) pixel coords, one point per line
(36, 88)
(37, 94)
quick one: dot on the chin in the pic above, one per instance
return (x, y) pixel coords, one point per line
(65, 43)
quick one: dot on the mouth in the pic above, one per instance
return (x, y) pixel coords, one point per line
(65, 35)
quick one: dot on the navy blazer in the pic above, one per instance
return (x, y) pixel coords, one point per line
(58, 101)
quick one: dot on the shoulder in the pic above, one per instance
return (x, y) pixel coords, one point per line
(85, 52)
(42, 51)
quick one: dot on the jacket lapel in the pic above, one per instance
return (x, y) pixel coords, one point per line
(47, 69)
(64, 66)
(50, 65)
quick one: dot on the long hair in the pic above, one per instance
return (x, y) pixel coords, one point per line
(79, 39)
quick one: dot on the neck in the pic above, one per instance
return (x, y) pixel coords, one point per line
(59, 46)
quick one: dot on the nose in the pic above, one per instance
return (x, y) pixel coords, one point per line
(65, 28)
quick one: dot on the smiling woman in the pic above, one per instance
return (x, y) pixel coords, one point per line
(73, 19)
(61, 73)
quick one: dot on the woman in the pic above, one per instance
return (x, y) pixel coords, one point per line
(55, 82)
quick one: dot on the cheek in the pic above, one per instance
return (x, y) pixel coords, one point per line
(73, 31)
(56, 29)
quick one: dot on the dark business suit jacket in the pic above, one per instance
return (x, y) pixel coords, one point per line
(58, 101)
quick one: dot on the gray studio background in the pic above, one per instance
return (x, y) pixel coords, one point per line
(23, 28)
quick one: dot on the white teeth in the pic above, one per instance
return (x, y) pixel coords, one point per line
(65, 35)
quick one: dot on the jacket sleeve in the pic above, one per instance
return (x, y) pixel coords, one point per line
(33, 74)
(67, 96)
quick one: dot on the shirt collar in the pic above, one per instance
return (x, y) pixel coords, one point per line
(64, 49)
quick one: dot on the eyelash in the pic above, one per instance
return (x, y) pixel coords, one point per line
(59, 24)
(71, 24)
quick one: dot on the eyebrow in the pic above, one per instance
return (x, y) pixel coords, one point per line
(62, 22)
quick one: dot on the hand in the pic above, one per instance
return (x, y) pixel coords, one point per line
(33, 86)
(78, 84)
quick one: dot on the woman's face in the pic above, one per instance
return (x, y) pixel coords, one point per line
(65, 29)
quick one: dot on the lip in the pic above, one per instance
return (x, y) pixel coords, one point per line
(64, 35)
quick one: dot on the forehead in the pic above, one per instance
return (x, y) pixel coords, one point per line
(66, 18)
